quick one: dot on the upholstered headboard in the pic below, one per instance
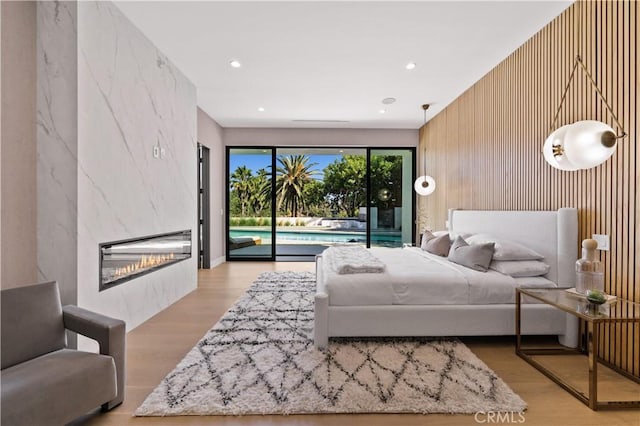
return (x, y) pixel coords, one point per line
(553, 234)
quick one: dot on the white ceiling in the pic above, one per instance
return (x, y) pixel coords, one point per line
(335, 60)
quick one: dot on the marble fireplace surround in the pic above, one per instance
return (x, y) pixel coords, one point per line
(107, 99)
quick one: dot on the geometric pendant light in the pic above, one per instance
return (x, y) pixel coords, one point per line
(583, 144)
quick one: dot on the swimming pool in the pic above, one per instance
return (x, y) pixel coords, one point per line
(390, 239)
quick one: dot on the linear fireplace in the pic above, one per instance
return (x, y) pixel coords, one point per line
(124, 260)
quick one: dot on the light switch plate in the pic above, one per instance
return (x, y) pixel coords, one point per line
(603, 241)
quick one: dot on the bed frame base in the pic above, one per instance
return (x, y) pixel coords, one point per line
(438, 320)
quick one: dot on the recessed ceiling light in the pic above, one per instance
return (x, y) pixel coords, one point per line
(235, 64)
(388, 101)
(382, 111)
(410, 65)
(341, 151)
(261, 109)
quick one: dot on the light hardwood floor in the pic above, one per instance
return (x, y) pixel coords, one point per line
(155, 347)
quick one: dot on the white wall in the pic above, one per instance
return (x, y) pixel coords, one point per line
(130, 99)
(210, 134)
(320, 137)
(106, 98)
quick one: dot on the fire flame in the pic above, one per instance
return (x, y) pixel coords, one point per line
(145, 262)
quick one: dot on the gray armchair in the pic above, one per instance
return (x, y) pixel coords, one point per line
(43, 382)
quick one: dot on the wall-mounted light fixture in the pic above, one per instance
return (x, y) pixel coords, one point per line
(583, 144)
(425, 184)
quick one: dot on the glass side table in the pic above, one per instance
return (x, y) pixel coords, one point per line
(620, 311)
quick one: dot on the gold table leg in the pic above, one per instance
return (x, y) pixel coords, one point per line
(592, 348)
(518, 331)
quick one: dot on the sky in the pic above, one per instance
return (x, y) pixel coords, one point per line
(256, 161)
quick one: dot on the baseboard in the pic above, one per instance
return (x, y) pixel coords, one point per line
(217, 261)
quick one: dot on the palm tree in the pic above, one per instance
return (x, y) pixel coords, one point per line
(293, 174)
(240, 184)
(260, 188)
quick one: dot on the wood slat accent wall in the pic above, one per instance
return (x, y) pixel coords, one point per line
(485, 149)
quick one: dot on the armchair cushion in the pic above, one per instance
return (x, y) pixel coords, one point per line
(31, 323)
(42, 391)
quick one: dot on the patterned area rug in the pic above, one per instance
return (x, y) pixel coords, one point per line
(260, 359)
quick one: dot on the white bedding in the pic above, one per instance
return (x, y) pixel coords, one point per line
(352, 260)
(416, 277)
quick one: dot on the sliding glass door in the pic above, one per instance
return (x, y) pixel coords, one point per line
(320, 200)
(391, 198)
(249, 203)
(293, 203)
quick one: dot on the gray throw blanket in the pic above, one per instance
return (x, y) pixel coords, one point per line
(352, 260)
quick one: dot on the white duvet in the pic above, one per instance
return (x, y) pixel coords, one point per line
(415, 277)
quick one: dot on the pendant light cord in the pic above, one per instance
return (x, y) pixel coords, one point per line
(425, 107)
(578, 61)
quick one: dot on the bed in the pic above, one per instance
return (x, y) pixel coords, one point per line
(357, 307)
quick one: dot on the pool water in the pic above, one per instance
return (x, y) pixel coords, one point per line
(388, 239)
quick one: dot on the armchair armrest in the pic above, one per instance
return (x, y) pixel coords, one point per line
(100, 327)
(110, 333)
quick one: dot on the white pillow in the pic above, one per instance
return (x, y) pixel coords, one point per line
(534, 282)
(505, 249)
(520, 268)
(464, 235)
